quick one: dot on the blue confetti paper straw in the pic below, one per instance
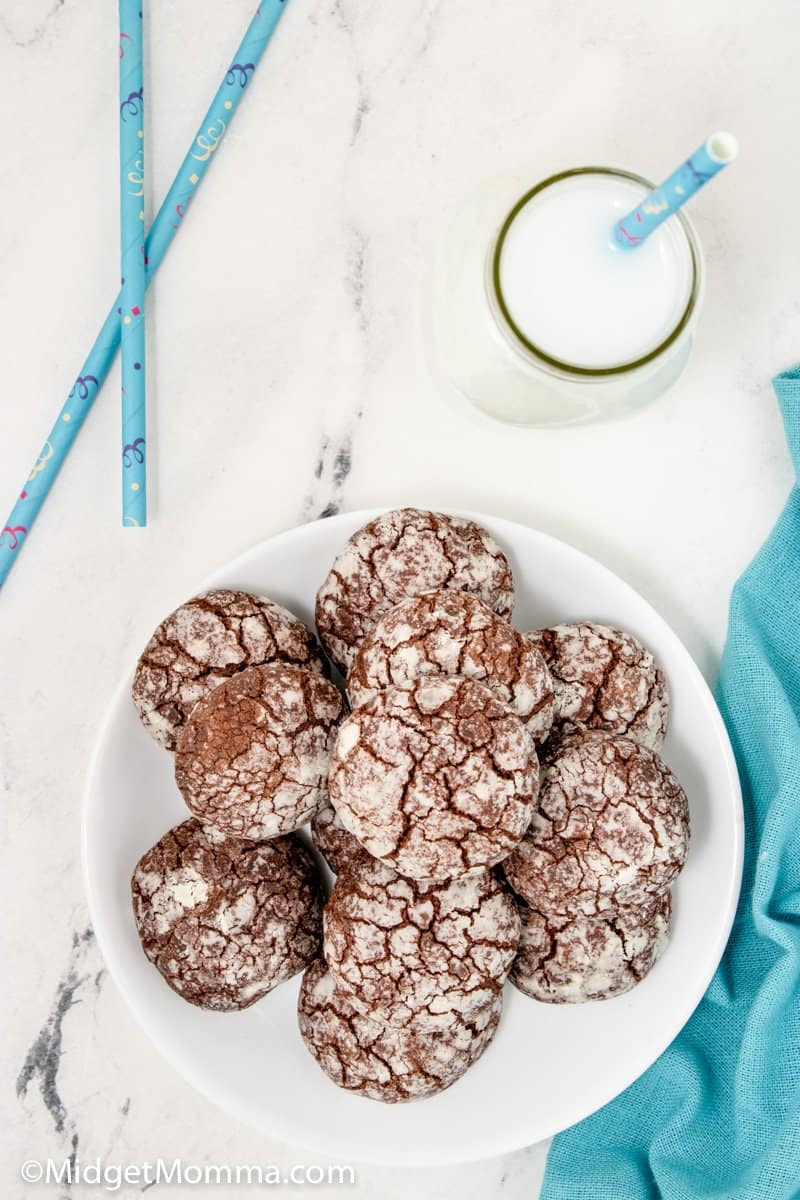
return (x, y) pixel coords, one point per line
(167, 222)
(132, 255)
(658, 205)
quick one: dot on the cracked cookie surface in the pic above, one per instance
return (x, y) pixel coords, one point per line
(225, 920)
(611, 830)
(204, 642)
(400, 554)
(414, 950)
(436, 777)
(454, 633)
(383, 1062)
(605, 680)
(253, 757)
(562, 961)
(333, 841)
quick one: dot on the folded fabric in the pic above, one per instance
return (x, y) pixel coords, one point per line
(718, 1115)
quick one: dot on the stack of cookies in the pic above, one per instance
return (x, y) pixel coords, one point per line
(229, 903)
(611, 829)
(476, 757)
(491, 803)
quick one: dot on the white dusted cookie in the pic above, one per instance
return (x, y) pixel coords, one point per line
(224, 920)
(436, 777)
(252, 759)
(384, 1062)
(400, 554)
(611, 830)
(206, 641)
(416, 950)
(454, 633)
(570, 961)
(605, 680)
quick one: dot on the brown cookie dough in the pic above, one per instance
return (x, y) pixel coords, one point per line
(605, 679)
(225, 920)
(454, 633)
(335, 843)
(611, 830)
(415, 950)
(252, 759)
(385, 1062)
(565, 961)
(401, 554)
(204, 642)
(435, 778)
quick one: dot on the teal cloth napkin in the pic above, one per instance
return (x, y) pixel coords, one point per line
(718, 1115)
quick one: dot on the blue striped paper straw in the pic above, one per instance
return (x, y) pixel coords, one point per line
(658, 205)
(132, 254)
(168, 220)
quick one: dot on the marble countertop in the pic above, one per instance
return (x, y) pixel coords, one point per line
(289, 381)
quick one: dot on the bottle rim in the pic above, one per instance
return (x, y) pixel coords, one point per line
(517, 338)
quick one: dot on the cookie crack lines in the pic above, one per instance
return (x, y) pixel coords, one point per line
(639, 869)
(493, 805)
(460, 805)
(600, 674)
(253, 755)
(444, 633)
(187, 655)
(398, 555)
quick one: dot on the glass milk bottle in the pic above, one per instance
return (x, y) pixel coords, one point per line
(537, 319)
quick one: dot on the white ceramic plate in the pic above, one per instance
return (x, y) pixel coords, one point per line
(549, 1065)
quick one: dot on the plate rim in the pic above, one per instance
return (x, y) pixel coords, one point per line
(421, 1157)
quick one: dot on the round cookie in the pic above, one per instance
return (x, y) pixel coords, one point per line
(564, 961)
(252, 759)
(611, 830)
(605, 680)
(416, 951)
(454, 633)
(335, 843)
(401, 554)
(225, 920)
(204, 642)
(436, 777)
(384, 1062)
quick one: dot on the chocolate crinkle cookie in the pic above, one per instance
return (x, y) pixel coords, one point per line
(611, 830)
(605, 680)
(252, 759)
(454, 633)
(332, 840)
(563, 961)
(385, 1062)
(436, 777)
(415, 950)
(401, 554)
(204, 642)
(225, 920)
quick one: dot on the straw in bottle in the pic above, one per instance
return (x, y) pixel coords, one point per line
(716, 152)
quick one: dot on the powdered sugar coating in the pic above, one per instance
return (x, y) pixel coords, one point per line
(606, 680)
(611, 830)
(401, 554)
(415, 950)
(253, 757)
(335, 843)
(204, 642)
(225, 920)
(385, 1062)
(435, 777)
(564, 961)
(454, 633)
